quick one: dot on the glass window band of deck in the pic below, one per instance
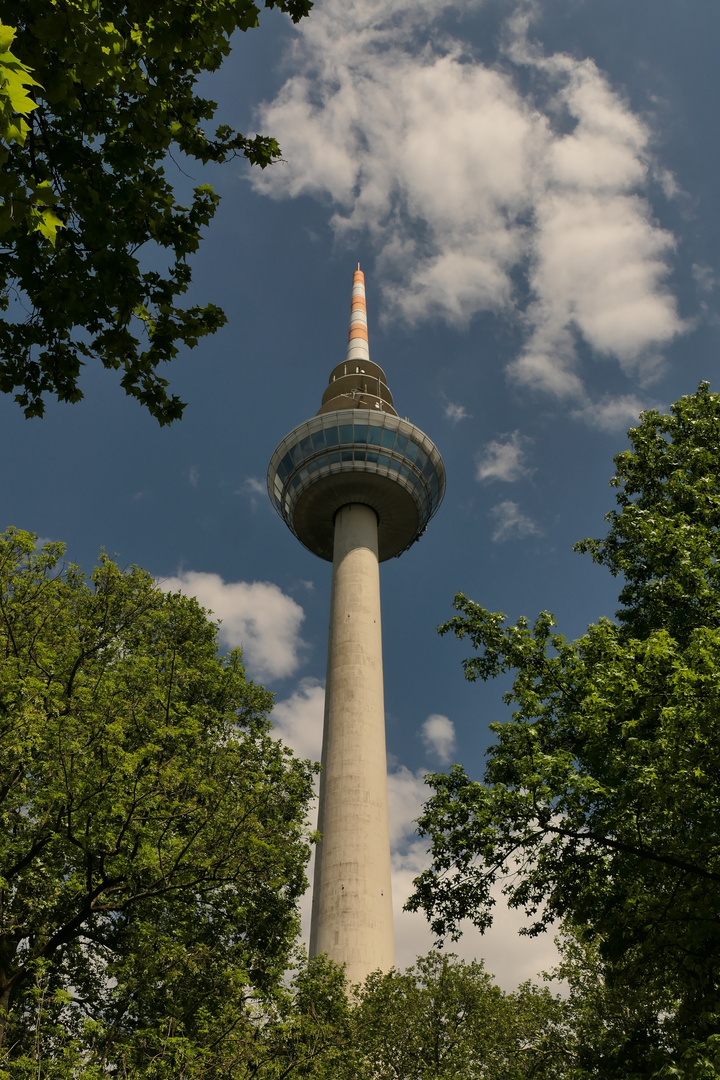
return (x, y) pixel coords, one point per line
(385, 445)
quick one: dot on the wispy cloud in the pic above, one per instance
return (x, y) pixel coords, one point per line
(438, 735)
(253, 489)
(255, 616)
(504, 458)
(705, 278)
(193, 476)
(510, 523)
(465, 175)
(614, 413)
(456, 412)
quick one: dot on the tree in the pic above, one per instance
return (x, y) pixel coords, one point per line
(608, 1031)
(444, 1018)
(153, 837)
(97, 97)
(599, 804)
(314, 1038)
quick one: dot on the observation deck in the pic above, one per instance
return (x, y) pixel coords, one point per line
(357, 450)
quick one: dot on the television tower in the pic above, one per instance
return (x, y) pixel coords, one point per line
(356, 485)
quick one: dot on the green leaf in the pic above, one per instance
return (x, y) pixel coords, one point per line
(48, 226)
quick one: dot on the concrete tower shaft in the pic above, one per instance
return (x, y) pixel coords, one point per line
(352, 918)
(356, 485)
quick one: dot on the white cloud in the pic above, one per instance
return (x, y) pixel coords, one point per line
(298, 720)
(503, 459)
(438, 735)
(193, 475)
(254, 616)
(510, 523)
(406, 794)
(597, 273)
(464, 180)
(613, 413)
(456, 412)
(510, 957)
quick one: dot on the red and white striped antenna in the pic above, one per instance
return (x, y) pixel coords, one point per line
(358, 350)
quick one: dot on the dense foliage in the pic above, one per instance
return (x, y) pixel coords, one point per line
(97, 98)
(664, 539)
(446, 1020)
(599, 803)
(153, 838)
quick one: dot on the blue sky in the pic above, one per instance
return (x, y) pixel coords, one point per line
(531, 190)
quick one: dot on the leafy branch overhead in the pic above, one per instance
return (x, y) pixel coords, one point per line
(16, 104)
(94, 96)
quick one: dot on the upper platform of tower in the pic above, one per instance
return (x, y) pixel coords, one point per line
(357, 450)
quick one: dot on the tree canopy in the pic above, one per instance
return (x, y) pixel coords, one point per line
(443, 1019)
(96, 97)
(599, 804)
(153, 839)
